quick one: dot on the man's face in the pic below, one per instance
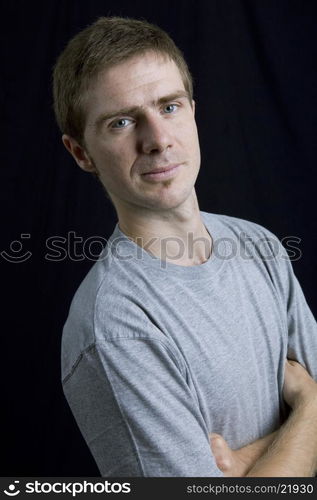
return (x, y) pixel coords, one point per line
(141, 133)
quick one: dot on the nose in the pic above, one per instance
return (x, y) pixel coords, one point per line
(154, 135)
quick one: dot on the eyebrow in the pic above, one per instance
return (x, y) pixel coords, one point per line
(134, 109)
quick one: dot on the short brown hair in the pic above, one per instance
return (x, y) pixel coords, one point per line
(108, 41)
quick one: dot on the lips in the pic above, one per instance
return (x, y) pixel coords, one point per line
(162, 173)
(161, 169)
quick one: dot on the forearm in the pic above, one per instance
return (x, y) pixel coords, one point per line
(251, 453)
(293, 452)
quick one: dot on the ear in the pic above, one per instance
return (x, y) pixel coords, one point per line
(193, 106)
(78, 153)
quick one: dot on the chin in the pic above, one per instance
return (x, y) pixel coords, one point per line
(169, 199)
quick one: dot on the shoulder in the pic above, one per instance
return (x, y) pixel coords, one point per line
(243, 232)
(78, 331)
(237, 225)
(109, 305)
(256, 245)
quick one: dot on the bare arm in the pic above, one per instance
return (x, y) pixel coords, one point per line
(291, 451)
(237, 463)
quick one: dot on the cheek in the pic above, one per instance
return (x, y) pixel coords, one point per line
(188, 132)
(192, 144)
(104, 156)
(114, 166)
(194, 132)
(196, 146)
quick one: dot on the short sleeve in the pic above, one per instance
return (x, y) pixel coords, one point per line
(136, 412)
(301, 324)
(302, 327)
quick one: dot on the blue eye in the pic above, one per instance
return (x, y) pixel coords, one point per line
(170, 108)
(122, 123)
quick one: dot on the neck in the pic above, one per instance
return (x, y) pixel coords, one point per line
(178, 235)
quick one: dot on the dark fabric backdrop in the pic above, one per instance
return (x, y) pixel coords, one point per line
(255, 70)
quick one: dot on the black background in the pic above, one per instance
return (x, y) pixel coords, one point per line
(255, 70)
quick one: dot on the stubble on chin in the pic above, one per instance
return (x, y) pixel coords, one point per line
(167, 183)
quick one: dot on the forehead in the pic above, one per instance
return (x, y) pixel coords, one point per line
(134, 82)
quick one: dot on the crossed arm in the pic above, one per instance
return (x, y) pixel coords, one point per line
(289, 452)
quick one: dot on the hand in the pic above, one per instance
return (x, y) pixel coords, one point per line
(233, 463)
(299, 387)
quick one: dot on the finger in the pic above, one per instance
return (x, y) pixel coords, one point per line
(213, 435)
(293, 362)
(221, 452)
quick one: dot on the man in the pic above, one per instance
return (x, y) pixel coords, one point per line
(182, 328)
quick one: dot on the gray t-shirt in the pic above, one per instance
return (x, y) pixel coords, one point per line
(156, 356)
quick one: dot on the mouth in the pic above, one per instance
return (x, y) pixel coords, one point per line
(161, 172)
